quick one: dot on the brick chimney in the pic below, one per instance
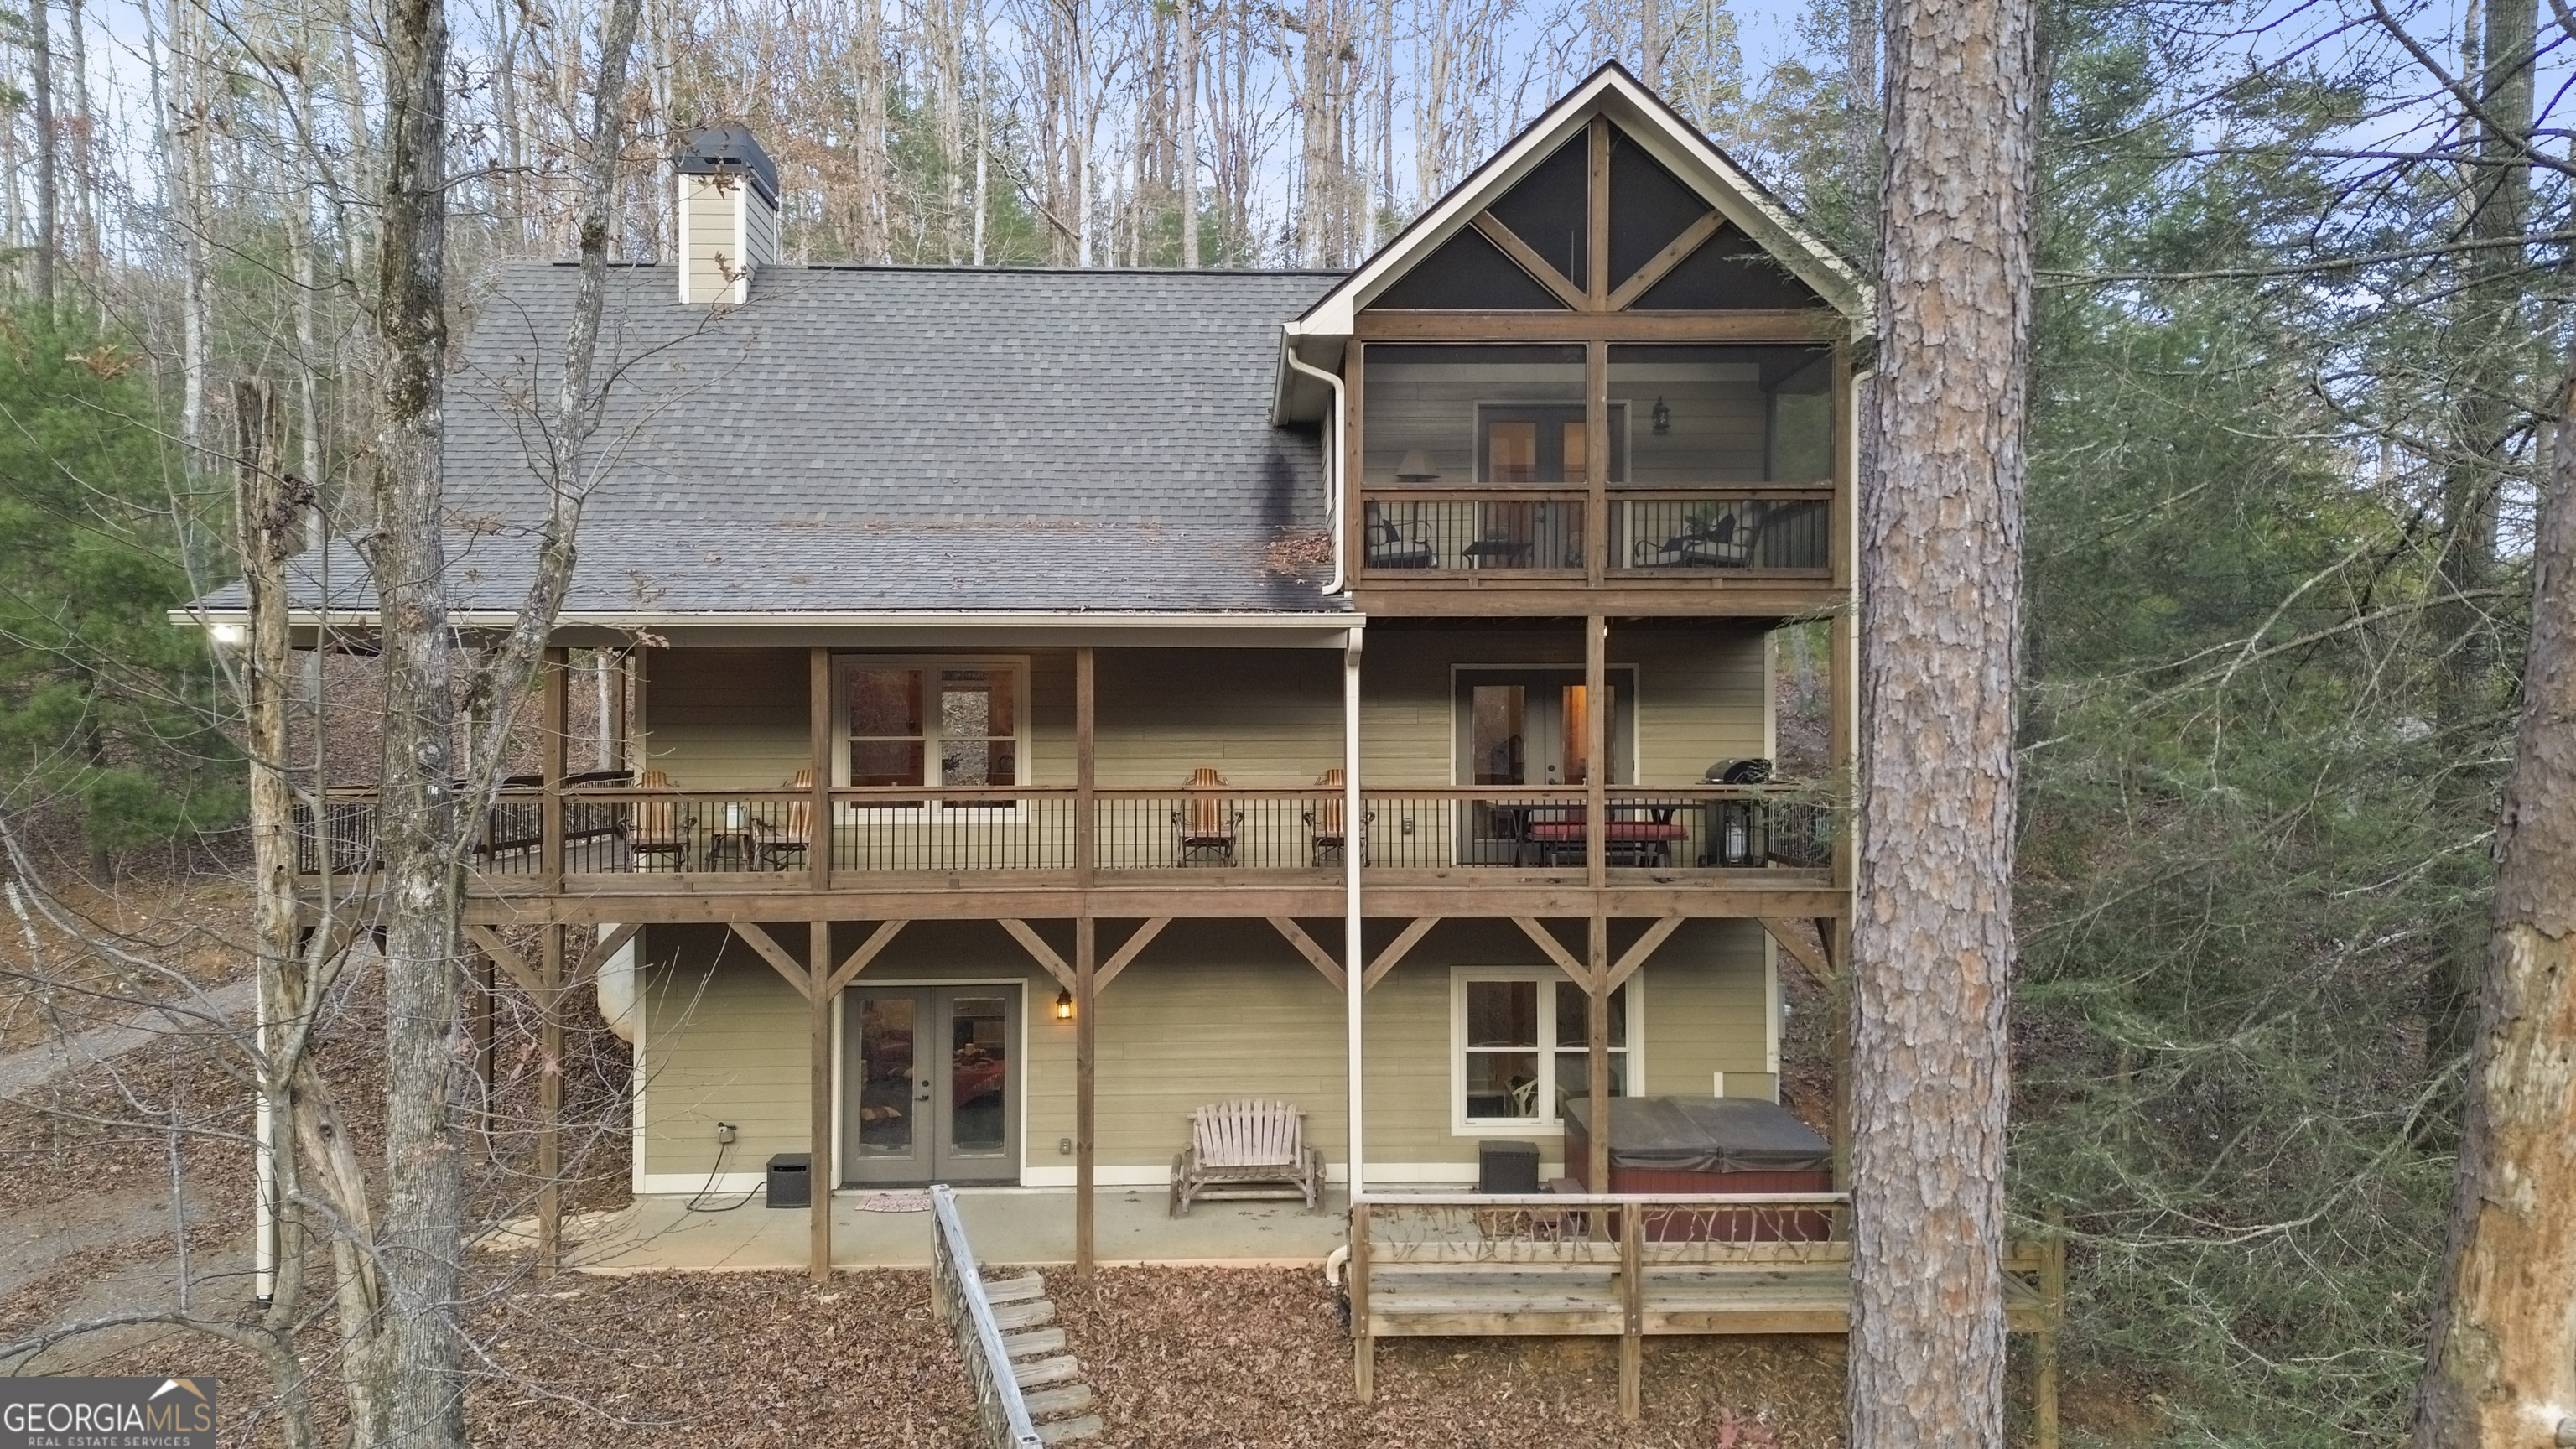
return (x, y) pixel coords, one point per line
(728, 214)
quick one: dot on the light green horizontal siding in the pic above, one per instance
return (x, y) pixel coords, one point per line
(725, 719)
(1703, 995)
(1212, 1011)
(1216, 1010)
(1701, 693)
(724, 1041)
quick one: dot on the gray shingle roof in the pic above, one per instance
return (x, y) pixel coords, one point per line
(898, 439)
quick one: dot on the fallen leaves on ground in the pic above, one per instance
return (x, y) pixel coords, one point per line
(1257, 1357)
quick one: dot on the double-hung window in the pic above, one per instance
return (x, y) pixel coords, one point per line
(913, 721)
(1521, 1051)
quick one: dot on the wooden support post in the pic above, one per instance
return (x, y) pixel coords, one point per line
(1363, 1344)
(1596, 356)
(1596, 748)
(1632, 1312)
(1086, 963)
(639, 706)
(1596, 1042)
(1596, 849)
(624, 663)
(550, 1070)
(1086, 690)
(1596, 251)
(556, 673)
(819, 1176)
(1086, 1067)
(818, 730)
(1596, 463)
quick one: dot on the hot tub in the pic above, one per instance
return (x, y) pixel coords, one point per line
(1709, 1144)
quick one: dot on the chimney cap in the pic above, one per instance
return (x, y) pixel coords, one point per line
(727, 150)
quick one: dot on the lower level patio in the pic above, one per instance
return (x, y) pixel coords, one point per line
(1011, 1226)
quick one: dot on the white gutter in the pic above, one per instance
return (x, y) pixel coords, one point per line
(1354, 851)
(1333, 499)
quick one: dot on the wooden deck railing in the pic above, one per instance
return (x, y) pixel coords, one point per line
(1695, 531)
(952, 831)
(957, 1300)
(1634, 1265)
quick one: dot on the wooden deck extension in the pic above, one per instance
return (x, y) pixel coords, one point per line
(1631, 1266)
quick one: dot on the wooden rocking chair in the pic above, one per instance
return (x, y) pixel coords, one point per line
(777, 848)
(1324, 822)
(1205, 827)
(1248, 1150)
(658, 829)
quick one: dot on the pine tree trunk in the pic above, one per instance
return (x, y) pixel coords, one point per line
(1941, 557)
(2502, 1368)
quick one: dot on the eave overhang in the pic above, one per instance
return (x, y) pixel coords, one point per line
(1318, 336)
(911, 629)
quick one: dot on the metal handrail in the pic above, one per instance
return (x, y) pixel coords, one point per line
(957, 1293)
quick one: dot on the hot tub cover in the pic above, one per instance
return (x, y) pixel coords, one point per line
(1706, 1134)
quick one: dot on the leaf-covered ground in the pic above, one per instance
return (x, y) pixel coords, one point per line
(1246, 1359)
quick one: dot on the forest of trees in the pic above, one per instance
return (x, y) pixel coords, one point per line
(2298, 357)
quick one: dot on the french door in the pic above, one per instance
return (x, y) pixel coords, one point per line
(930, 1084)
(1530, 727)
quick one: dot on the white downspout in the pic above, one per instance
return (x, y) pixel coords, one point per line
(1354, 851)
(263, 1236)
(1333, 500)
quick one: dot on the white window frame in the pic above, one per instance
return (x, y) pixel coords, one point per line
(1025, 767)
(1547, 1124)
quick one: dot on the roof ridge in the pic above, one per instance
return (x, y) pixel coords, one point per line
(934, 268)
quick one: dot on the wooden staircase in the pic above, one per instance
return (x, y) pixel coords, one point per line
(1050, 1378)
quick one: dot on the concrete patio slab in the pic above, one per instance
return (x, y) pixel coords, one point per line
(1010, 1226)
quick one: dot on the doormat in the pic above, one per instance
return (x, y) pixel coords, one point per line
(895, 1202)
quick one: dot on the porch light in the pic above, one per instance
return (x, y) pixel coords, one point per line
(1663, 417)
(226, 633)
(1416, 467)
(1064, 1006)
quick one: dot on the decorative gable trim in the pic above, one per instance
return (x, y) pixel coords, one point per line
(1664, 135)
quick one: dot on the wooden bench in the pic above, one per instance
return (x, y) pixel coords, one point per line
(1248, 1150)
